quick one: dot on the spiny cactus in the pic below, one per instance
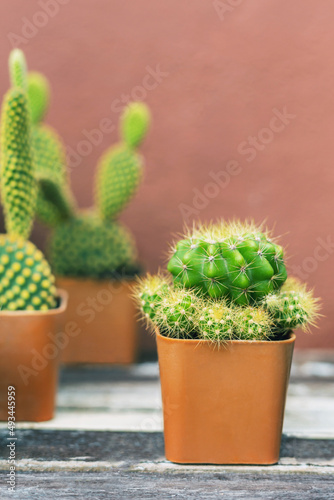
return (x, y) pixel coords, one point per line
(149, 292)
(84, 244)
(229, 283)
(38, 95)
(119, 170)
(236, 261)
(18, 186)
(26, 281)
(293, 307)
(48, 150)
(87, 246)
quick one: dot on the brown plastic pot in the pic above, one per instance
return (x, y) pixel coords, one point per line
(29, 360)
(223, 405)
(104, 315)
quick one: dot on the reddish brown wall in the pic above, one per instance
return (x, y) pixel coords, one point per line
(226, 77)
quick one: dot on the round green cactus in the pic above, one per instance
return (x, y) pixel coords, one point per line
(38, 95)
(18, 69)
(120, 167)
(293, 307)
(235, 261)
(88, 246)
(214, 320)
(176, 313)
(26, 281)
(149, 292)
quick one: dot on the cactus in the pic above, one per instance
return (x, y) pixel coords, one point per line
(235, 261)
(38, 95)
(293, 307)
(92, 243)
(215, 320)
(149, 292)
(119, 170)
(253, 323)
(87, 246)
(18, 186)
(229, 283)
(26, 281)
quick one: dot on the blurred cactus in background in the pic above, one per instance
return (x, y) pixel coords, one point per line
(86, 243)
(26, 280)
(229, 282)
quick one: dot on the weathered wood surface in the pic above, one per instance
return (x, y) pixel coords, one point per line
(106, 442)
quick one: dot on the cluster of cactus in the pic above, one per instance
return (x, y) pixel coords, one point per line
(229, 281)
(26, 280)
(85, 243)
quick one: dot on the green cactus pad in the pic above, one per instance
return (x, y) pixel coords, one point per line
(118, 177)
(26, 281)
(86, 246)
(50, 161)
(119, 170)
(18, 69)
(38, 95)
(134, 123)
(232, 260)
(18, 186)
(214, 321)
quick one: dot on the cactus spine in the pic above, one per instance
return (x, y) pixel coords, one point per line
(229, 283)
(26, 280)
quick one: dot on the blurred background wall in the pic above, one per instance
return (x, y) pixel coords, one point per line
(242, 101)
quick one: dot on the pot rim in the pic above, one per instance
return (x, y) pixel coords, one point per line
(61, 294)
(171, 340)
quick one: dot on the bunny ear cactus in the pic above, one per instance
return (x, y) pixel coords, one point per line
(293, 307)
(26, 281)
(93, 243)
(120, 168)
(48, 150)
(84, 243)
(229, 283)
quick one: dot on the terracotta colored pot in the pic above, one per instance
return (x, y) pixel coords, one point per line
(29, 360)
(105, 317)
(223, 405)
